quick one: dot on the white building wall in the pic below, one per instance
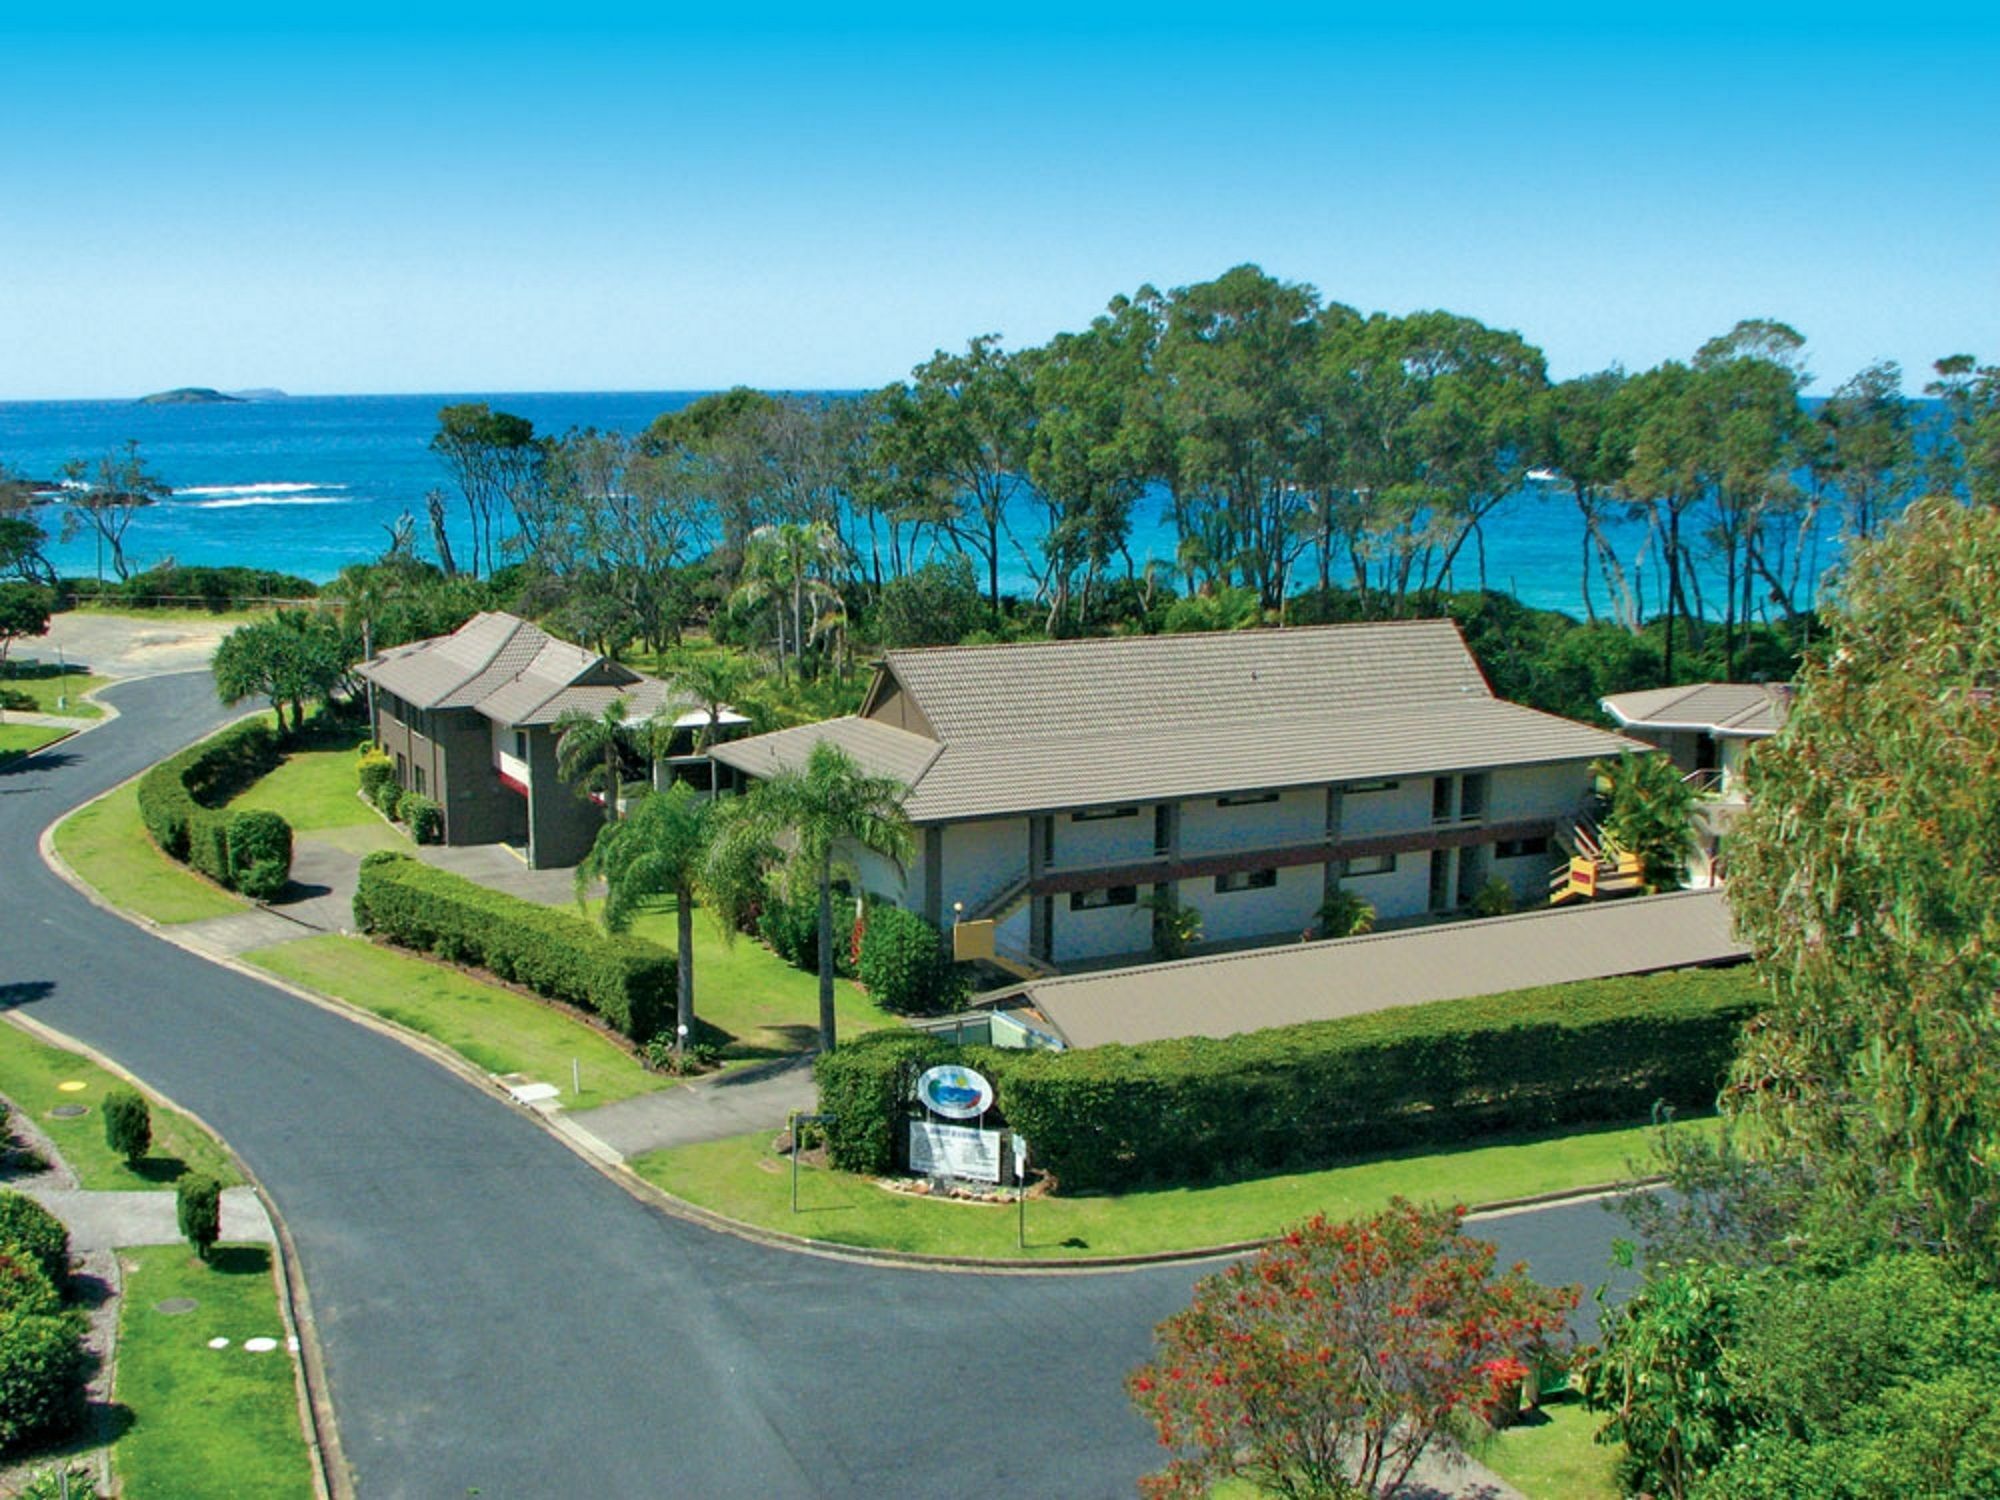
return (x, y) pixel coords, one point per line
(1401, 809)
(1207, 827)
(980, 860)
(1528, 874)
(1404, 891)
(1519, 792)
(504, 757)
(880, 877)
(1287, 909)
(1104, 933)
(1099, 841)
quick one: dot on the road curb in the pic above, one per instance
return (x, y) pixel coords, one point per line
(331, 1477)
(611, 1164)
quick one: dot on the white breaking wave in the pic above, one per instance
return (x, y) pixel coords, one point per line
(281, 488)
(243, 500)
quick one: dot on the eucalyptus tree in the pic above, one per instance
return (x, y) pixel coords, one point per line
(662, 849)
(1865, 456)
(1664, 481)
(1587, 438)
(820, 811)
(1440, 417)
(1233, 359)
(103, 497)
(718, 444)
(964, 427)
(1970, 459)
(892, 484)
(494, 459)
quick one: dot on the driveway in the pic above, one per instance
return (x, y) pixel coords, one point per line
(127, 645)
(499, 1317)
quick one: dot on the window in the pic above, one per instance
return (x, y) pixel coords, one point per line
(1443, 798)
(418, 772)
(1246, 799)
(1245, 880)
(1112, 895)
(1356, 788)
(1520, 848)
(1098, 814)
(520, 744)
(1368, 864)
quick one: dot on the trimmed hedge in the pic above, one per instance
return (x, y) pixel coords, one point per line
(626, 980)
(372, 769)
(905, 965)
(423, 817)
(388, 797)
(1298, 1098)
(181, 801)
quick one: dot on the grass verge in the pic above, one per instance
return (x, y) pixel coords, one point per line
(315, 787)
(205, 1422)
(30, 1074)
(25, 739)
(68, 686)
(770, 1008)
(742, 1178)
(1551, 1455)
(176, 614)
(105, 842)
(491, 1027)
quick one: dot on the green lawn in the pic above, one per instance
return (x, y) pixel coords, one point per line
(30, 1072)
(205, 1422)
(70, 686)
(176, 614)
(1551, 1456)
(742, 1178)
(106, 844)
(769, 1007)
(494, 1028)
(314, 789)
(22, 739)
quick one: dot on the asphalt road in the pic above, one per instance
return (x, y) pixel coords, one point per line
(498, 1317)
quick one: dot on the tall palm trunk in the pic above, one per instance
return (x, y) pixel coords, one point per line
(826, 954)
(684, 979)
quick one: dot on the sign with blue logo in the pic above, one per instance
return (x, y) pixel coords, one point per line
(954, 1092)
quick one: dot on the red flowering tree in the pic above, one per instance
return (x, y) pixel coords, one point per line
(1333, 1360)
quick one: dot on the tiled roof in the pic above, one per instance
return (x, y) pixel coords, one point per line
(1221, 996)
(512, 671)
(1745, 710)
(1071, 724)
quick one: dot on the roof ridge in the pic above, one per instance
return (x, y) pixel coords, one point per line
(1253, 633)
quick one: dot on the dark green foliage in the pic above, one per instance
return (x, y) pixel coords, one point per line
(24, 611)
(25, 1288)
(372, 771)
(1303, 1097)
(935, 605)
(128, 1124)
(16, 701)
(260, 852)
(181, 801)
(905, 965)
(214, 589)
(789, 922)
(25, 1223)
(198, 1210)
(626, 980)
(388, 797)
(865, 1086)
(42, 1365)
(423, 817)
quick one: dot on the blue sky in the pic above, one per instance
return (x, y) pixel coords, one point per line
(658, 197)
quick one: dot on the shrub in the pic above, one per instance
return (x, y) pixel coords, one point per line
(790, 924)
(1302, 1097)
(18, 701)
(198, 1209)
(128, 1124)
(181, 801)
(259, 846)
(372, 770)
(25, 1223)
(1493, 899)
(423, 816)
(25, 1288)
(42, 1364)
(388, 799)
(626, 980)
(1344, 914)
(905, 965)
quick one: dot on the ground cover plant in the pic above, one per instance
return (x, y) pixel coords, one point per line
(495, 1028)
(210, 1423)
(744, 1178)
(105, 843)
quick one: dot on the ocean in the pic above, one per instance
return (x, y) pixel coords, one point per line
(308, 484)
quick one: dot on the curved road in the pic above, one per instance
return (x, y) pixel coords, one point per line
(497, 1316)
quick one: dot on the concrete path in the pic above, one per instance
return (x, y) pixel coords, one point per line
(117, 1221)
(319, 900)
(128, 645)
(498, 867)
(756, 1098)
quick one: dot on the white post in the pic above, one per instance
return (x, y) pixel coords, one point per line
(575, 1077)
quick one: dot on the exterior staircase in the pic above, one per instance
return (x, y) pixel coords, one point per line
(1596, 867)
(975, 934)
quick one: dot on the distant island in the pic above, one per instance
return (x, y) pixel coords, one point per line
(188, 395)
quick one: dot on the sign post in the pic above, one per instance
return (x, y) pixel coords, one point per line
(1020, 1193)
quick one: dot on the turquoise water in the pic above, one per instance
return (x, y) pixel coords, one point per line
(308, 484)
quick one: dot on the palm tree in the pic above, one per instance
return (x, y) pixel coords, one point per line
(661, 850)
(1651, 814)
(790, 566)
(588, 751)
(714, 679)
(814, 810)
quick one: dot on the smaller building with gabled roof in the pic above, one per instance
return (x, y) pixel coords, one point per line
(1706, 729)
(469, 718)
(1059, 785)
